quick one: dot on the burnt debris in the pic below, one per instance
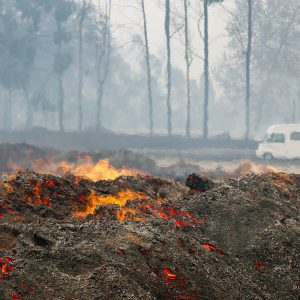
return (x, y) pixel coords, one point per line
(145, 237)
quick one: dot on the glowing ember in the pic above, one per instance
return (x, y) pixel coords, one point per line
(37, 198)
(126, 213)
(214, 248)
(168, 275)
(209, 247)
(14, 296)
(121, 251)
(4, 209)
(260, 264)
(5, 266)
(120, 199)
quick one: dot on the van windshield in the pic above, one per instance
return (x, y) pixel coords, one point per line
(275, 138)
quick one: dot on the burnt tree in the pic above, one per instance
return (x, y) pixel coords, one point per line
(248, 65)
(169, 67)
(148, 65)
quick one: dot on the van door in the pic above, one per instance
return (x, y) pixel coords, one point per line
(295, 145)
(277, 145)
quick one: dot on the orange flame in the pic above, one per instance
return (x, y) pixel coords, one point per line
(86, 168)
(169, 275)
(214, 248)
(121, 199)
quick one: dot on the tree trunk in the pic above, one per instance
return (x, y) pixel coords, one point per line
(80, 81)
(61, 97)
(149, 78)
(294, 111)
(7, 115)
(188, 64)
(99, 104)
(206, 72)
(169, 71)
(103, 69)
(61, 103)
(28, 110)
(248, 75)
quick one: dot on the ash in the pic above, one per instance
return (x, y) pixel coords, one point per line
(72, 238)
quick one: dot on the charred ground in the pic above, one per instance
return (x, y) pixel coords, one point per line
(237, 240)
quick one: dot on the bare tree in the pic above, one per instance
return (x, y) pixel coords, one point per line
(83, 10)
(28, 108)
(188, 65)
(169, 67)
(248, 62)
(206, 66)
(63, 11)
(149, 77)
(103, 49)
(206, 71)
(7, 113)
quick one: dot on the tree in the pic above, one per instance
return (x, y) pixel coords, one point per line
(273, 62)
(149, 76)
(169, 67)
(188, 65)
(248, 61)
(82, 13)
(103, 52)
(206, 66)
(63, 10)
(17, 53)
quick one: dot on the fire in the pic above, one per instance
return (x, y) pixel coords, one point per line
(168, 275)
(85, 168)
(121, 199)
(209, 247)
(6, 265)
(37, 196)
(213, 248)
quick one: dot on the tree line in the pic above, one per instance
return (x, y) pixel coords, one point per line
(53, 52)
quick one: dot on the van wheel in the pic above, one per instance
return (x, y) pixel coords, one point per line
(268, 156)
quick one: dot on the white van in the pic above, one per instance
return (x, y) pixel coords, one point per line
(282, 141)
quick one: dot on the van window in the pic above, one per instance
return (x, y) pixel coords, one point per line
(276, 138)
(295, 136)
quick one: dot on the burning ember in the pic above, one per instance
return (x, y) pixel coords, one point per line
(260, 264)
(120, 199)
(214, 248)
(168, 275)
(62, 254)
(6, 265)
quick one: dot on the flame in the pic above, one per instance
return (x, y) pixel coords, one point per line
(209, 247)
(214, 248)
(169, 275)
(85, 168)
(121, 199)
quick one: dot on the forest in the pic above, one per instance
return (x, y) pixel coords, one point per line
(64, 67)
